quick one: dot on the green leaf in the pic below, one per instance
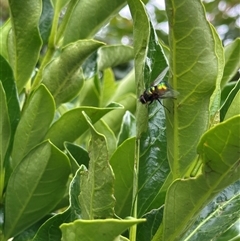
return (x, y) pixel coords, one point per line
(153, 164)
(36, 185)
(34, 123)
(227, 89)
(141, 39)
(6, 76)
(231, 61)
(50, 230)
(125, 86)
(234, 107)
(232, 233)
(28, 234)
(5, 134)
(108, 87)
(104, 230)
(217, 217)
(86, 19)
(194, 61)
(59, 4)
(104, 129)
(24, 40)
(7, 80)
(45, 22)
(128, 127)
(96, 196)
(113, 119)
(150, 121)
(90, 66)
(147, 229)
(216, 96)
(219, 150)
(4, 31)
(72, 124)
(149, 58)
(78, 155)
(89, 94)
(122, 162)
(229, 100)
(113, 55)
(63, 76)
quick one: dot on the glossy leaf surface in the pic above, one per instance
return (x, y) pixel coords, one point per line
(24, 42)
(232, 64)
(229, 100)
(45, 22)
(221, 160)
(4, 31)
(147, 229)
(72, 124)
(35, 187)
(122, 163)
(78, 155)
(95, 17)
(34, 123)
(28, 234)
(234, 107)
(5, 133)
(7, 79)
(50, 230)
(128, 127)
(216, 219)
(150, 120)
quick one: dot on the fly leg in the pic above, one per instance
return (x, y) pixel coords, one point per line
(163, 105)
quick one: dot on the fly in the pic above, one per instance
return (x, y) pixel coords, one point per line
(159, 89)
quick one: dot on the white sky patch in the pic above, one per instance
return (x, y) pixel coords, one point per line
(163, 27)
(208, 1)
(234, 11)
(125, 12)
(160, 4)
(222, 30)
(222, 6)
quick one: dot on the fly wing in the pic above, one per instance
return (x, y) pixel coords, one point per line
(161, 76)
(169, 92)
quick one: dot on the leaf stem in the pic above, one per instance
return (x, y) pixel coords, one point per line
(46, 60)
(50, 50)
(65, 20)
(133, 229)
